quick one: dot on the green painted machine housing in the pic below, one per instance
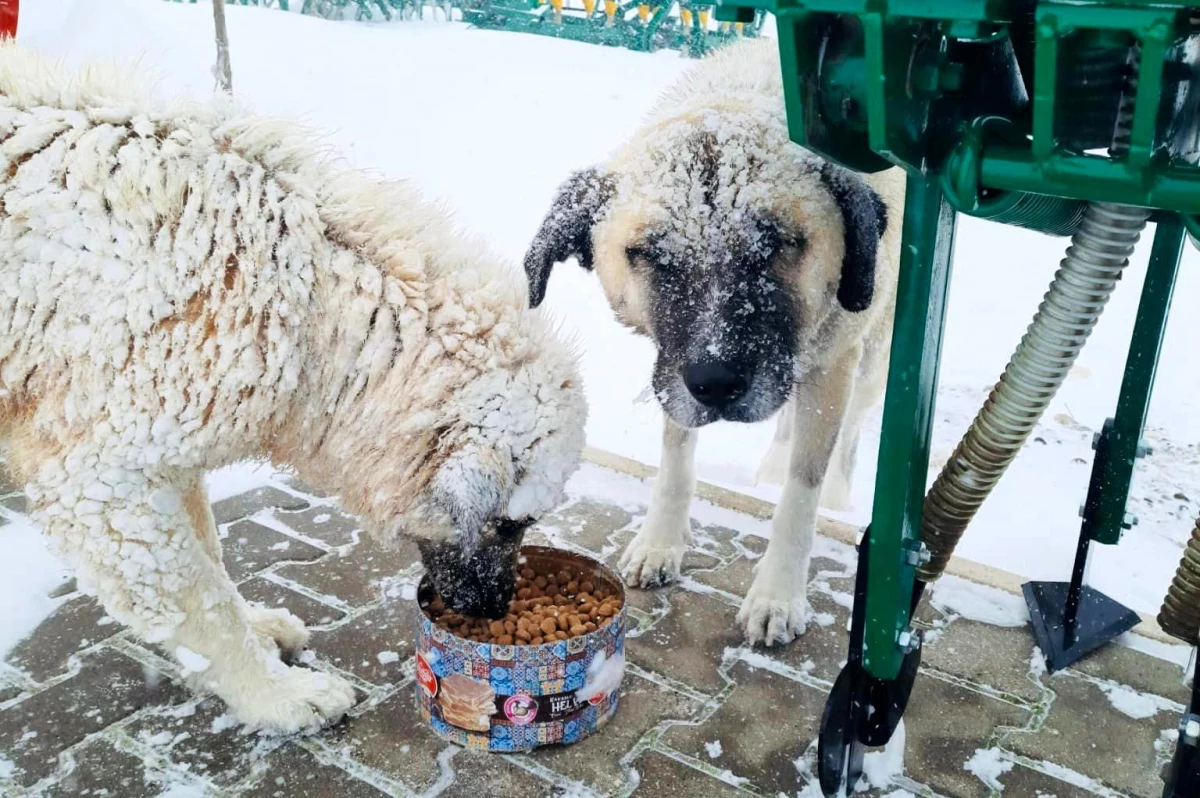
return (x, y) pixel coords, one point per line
(954, 112)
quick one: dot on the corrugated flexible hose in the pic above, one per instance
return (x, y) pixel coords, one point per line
(1180, 613)
(1098, 253)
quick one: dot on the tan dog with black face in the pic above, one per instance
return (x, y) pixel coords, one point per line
(766, 277)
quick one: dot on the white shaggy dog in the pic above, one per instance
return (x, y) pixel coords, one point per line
(182, 287)
(766, 277)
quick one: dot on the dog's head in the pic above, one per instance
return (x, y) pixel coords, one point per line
(731, 247)
(516, 436)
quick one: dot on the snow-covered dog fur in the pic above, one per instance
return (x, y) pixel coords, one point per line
(182, 287)
(766, 278)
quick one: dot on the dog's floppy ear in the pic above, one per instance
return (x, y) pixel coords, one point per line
(864, 217)
(567, 229)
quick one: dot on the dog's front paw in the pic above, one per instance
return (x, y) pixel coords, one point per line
(771, 618)
(296, 700)
(653, 557)
(278, 625)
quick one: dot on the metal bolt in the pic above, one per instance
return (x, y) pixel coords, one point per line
(918, 556)
(1144, 449)
(1082, 508)
(1129, 522)
(908, 641)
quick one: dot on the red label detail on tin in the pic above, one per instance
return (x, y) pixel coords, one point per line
(425, 677)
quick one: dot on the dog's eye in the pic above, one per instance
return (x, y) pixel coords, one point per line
(639, 254)
(791, 240)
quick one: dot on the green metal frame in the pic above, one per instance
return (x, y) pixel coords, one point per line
(1120, 445)
(888, 90)
(929, 224)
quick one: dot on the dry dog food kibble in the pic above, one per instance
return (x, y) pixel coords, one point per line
(547, 607)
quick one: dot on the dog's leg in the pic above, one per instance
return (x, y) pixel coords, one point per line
(773, 470)
(868, 388)
(654, 555)
(132, 540)
(275, 625)
(774, 608)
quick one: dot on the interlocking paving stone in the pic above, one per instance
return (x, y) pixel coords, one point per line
(355, 577)
(392, 738)
(944, 725)
(687, 645)
(595, 760)
(659, 775)
(271, 595)
(374, 645)
(245, 504)
(998, 656)
(65, 588)
(477, 775)
(203, 738)
(327, 524)
(1086, 732)
(9, 691)
(100, 770)
(74, 625)
(8, 483)
(1140, 671)
(250, 547)
(656, 601)
(1021, 782)
(293, 482)
(108, 688)
(736, 576)
(295, 773)
(764, 725)
(586, 523)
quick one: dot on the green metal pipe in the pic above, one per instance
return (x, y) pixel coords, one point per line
(1091, 178)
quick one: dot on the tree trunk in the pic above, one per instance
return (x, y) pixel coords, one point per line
(222, 71)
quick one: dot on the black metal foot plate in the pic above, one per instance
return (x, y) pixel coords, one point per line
(1098, 620)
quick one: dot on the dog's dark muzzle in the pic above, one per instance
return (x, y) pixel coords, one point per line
(479, 585)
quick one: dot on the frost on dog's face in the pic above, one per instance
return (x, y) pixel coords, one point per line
(730, 247)
(520, 436)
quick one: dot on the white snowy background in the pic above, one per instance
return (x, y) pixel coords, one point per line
(491, 122)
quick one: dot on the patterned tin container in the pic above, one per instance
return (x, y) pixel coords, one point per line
(516, 698)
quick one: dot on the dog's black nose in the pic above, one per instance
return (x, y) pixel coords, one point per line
(715, 384)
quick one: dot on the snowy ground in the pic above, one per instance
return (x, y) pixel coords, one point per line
(493, 121)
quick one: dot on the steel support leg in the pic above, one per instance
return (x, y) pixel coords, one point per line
(1071, 619)
(871, 693)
